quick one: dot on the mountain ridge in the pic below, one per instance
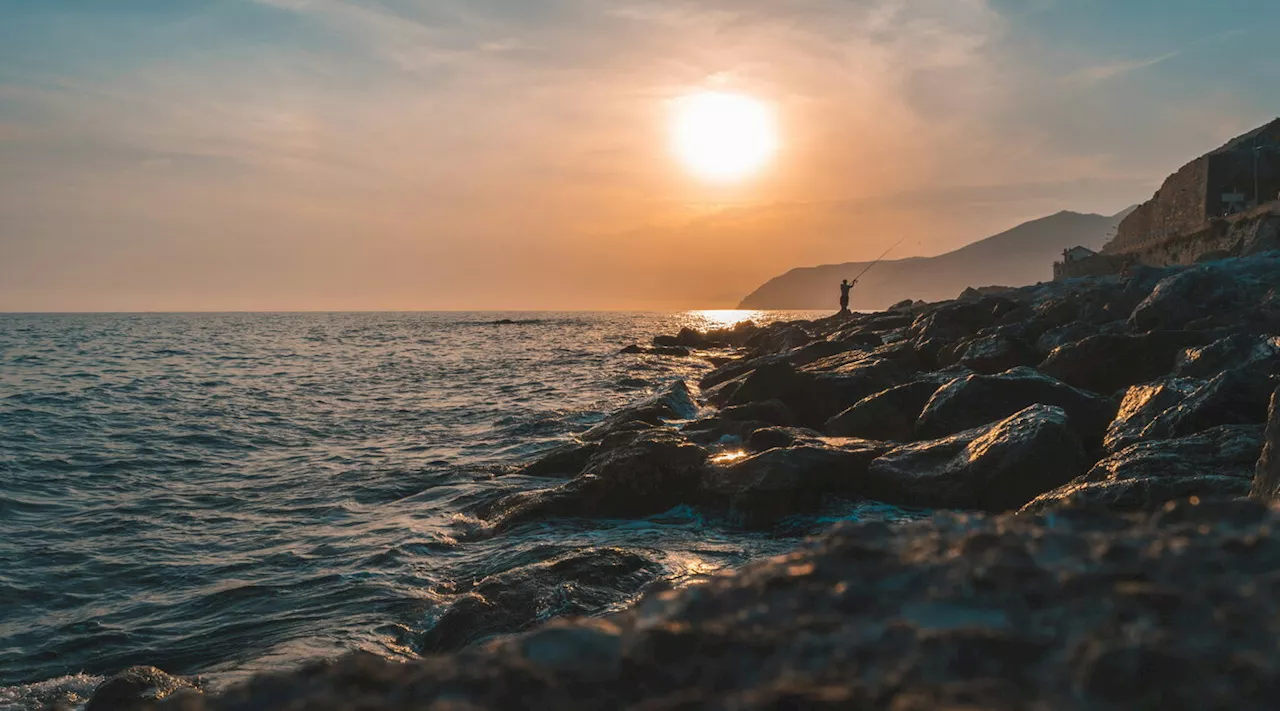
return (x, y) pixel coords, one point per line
(1016, 257)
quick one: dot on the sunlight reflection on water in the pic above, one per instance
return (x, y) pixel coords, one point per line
(725, 318)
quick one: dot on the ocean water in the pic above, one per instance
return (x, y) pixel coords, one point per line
(224, 494)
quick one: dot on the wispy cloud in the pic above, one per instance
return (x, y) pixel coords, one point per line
(1103, 72)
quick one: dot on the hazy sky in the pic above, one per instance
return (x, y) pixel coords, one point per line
(433, 154)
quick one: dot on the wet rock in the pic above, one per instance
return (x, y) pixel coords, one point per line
(774, 437)
(1110, 362)
(777, 339)
(579, 583)
(138, 688)
(814, 396)
(672, 351)
(1266, 482)
(685, 339)
(1071, 611)
(1217, 462)
(1238, 351)
(1141, 405)
(999, 467)
(888, 415)
(771, 411)
(649, 474)
(977, 400)
(765, 488)
(1218, 289)
(564, 461)
(1236, 397)
(996, 353)
(675, 402)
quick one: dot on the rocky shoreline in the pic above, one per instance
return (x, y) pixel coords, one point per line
(1090, 446)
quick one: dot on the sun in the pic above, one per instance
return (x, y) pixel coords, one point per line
(723, 137)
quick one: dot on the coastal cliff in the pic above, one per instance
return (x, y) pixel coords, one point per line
(1088, 447)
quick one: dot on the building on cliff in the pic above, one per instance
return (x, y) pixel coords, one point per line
(1224, 203)
(1070, 257)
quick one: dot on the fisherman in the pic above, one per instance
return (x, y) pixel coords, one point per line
(845, 287)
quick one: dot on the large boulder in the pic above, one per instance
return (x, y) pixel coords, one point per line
(1266, 480)
(675, 402)
(1110, 362)
(1237, 397)
(1260, 353)
(888, 415)
(138, 688)
(976, 400)
(1215, 463)
(995, 353)
(812, 395)
(503, 602)
(1141, 405)
(562, 462)
(1221, 291)
(761, 490)
(999, 467)
(644, 474)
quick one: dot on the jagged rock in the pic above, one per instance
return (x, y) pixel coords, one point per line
(580, 583)
(765, 488)
(1208, 290)
(1236, 397)
(1110, 362)
(771, 411)
(564, 461)
(812, 396)
(686, 338)
(779, 339)
(1141, 405)
(766, 438)
(976, 400)
(1073, 611)
(647, 475)
(673, 351)
(888, 415)
(673, 403)
(1217, 462)
(902, 305)
(137, 688)
(999, 467)
(1266, 480)
(1237, 351)
(995, 353)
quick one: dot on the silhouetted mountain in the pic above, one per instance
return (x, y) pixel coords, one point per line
(1023, 255)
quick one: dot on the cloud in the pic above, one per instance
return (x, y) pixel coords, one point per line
(1111, 70)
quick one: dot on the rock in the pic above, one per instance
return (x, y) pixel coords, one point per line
(977, 400)
(1137, 494)
(137, 688)
(1215, 463)
(813, 395)
(1110, 362)
(773, 437)
(675, 402)
(888, 415)
(1141, 405)
(778, 339)
(1238, 351)
(1216, 290)
(1071, 611)
(653, 472)
(564, 461)
(902, 305)
(584, 582)
(771, 411)
(765, 488)
(999, 467)
(685, 339)
(1266, 481)
(1236, 397)
(996, 353)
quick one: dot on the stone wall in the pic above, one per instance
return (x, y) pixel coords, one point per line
(1096, 265)
(1180, 207)
(1239, 235)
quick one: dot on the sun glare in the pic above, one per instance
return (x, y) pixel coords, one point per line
(723, 137)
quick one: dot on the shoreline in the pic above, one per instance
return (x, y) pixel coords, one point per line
(1101, 434)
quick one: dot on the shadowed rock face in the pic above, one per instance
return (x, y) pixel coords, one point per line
(1110, 362)
(978, 400)
(1266, 482)
(1075, 611)
(995, 468)
(890, 414)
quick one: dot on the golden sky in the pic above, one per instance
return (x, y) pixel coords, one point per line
(424, 154)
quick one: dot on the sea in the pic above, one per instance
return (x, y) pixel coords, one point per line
(227, 494)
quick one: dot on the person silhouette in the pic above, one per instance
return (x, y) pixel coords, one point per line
(845, 287)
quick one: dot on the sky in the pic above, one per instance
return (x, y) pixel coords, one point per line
(182, 155)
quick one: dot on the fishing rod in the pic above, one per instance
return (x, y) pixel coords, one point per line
(881, 259)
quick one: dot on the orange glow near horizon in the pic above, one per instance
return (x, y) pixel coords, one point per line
(723, 137)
